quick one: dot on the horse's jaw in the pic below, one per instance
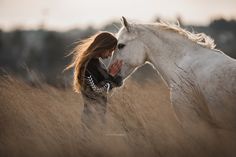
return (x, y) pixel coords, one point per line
(126, 71)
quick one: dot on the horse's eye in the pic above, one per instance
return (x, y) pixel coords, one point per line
(120, 46)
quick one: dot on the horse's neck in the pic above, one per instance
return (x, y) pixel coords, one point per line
(169, 51)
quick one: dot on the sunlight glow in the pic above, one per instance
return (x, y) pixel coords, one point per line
(68, 14)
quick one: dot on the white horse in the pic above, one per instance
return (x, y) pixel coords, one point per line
(201, 79)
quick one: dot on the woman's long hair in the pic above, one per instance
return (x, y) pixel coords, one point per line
(84, 51)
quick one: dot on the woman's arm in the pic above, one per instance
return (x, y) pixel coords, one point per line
(104, 88)
(116, 81)
(114, 69)
(98, 78)
(110, 74)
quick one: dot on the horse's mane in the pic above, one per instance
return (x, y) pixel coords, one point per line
(200, 38)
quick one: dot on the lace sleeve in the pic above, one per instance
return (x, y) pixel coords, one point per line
(104, 88)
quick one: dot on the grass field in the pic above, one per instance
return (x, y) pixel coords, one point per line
(45, 121)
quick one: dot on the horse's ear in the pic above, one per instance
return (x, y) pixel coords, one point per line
(125, 23)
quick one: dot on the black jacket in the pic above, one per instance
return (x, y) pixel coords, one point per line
(97, 81)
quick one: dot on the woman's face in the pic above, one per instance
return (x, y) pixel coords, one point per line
(107, 53)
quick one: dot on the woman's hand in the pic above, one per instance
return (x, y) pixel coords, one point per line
(115, 67)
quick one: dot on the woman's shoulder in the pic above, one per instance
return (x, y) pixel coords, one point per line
(93, 63)
(92, 66)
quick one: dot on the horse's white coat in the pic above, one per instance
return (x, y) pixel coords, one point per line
(202, 81)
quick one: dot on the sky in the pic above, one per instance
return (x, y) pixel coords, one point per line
(67, 14)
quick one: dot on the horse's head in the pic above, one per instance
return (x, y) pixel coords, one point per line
(130, 49)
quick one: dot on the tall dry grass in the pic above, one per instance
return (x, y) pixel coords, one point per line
(45, 121)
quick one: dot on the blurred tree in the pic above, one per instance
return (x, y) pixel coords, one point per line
(222, 24)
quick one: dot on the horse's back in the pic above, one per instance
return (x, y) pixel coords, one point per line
(215, 72)
(208, 88)
(218, 85)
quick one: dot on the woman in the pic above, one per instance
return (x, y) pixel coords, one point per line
(91, 77)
